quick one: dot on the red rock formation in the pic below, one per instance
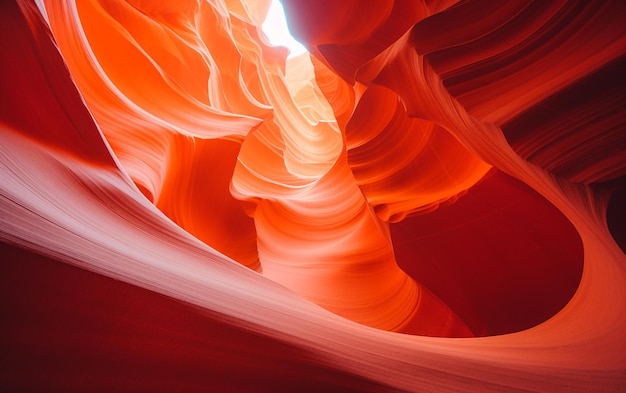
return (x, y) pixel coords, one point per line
(434, 168)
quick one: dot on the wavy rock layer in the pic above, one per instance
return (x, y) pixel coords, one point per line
(234, 220)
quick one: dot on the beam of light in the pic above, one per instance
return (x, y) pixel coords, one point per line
(275, 27)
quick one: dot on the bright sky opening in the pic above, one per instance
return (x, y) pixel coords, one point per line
(275, 27)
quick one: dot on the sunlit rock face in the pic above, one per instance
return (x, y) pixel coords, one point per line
(432, 200)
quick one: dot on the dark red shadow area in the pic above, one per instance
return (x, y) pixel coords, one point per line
(502, 257)
(64, 329)
(589, 127)
(38, 97)
(616, 217)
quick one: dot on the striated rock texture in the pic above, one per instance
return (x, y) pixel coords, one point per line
(431, 200)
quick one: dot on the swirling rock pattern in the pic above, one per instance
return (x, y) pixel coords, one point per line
(430, 201)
